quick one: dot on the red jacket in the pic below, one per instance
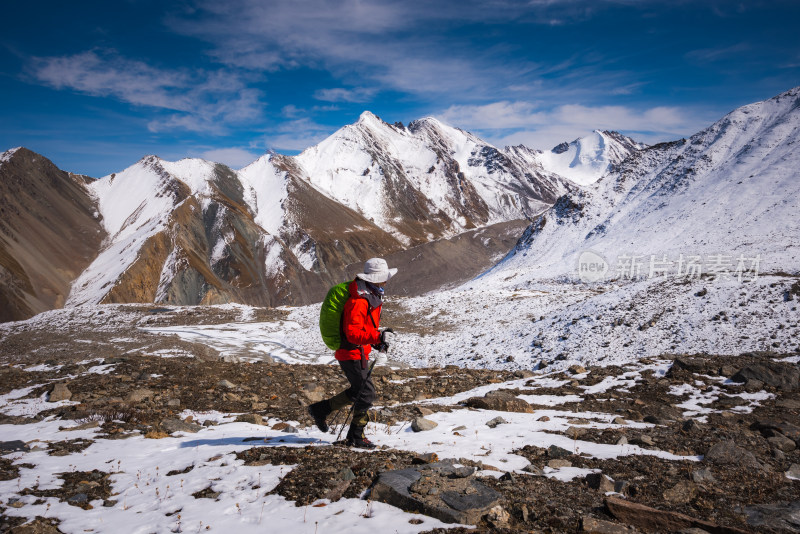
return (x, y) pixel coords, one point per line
(356, 324)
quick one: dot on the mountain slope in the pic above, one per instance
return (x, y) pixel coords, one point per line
(427, 180)
(49, 233)
(730, 190)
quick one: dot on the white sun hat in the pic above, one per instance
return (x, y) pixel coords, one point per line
(376, 270)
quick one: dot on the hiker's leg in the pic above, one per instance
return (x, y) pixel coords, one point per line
(362, 390)
(319, 411)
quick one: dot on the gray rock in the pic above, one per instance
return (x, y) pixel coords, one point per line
(139, 395)
(462, 472)
(781, 442)
(728, 453)
(575, 432)
(776, 517)
(226, 384)
(345, 474)
(783, 376)
(622, 441)
(12, 446)
(554, 451)
(643, 440)
(230, 358)
(558, 463)
(393, 487)
(771, 428)
(482, 498)
(499, 401)
(532, 469)
(793, 472)
(176, 425)
(78, 498)
(60, 392)
(423, 411)
(599, 482)
(252, 418)
(496, 421)
(420, 424)
(174, 403)
(703, 476)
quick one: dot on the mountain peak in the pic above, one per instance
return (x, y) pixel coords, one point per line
(5, 156)
(587, 158)
(368, 117)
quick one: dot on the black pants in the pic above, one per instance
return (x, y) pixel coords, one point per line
(358, 382)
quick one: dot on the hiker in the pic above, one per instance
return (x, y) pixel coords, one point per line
(359, 334)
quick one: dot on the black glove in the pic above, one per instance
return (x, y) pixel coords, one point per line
(383, 345)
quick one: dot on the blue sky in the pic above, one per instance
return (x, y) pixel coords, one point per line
(95, 86)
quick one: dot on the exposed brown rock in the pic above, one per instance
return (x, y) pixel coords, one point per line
(48, 234)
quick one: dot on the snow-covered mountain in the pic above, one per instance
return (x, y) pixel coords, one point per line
(283, 228)
(586, 159)
(725, 198)
(426, 180)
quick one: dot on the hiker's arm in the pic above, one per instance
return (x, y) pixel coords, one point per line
(358, 327)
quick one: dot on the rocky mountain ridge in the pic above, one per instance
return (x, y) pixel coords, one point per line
(727, 193)
(284, 228)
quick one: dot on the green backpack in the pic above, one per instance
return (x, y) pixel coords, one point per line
(330, 316)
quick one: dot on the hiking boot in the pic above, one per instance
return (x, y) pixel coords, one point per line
(319, 411)
(355, 436)
(360, 442)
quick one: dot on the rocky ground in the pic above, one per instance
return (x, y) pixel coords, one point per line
(729, 428)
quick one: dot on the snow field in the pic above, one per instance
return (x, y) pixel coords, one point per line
(147, 499)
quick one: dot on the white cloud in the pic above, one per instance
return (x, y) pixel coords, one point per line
(297, 135)
(199, 100)
(511, 123)
(235, 158)
(340, 94)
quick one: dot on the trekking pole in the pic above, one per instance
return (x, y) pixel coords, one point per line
(360, 390)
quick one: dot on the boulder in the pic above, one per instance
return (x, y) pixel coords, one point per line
(794, 472)
(653, 520)
(784, 376)
(252, 418)
(781, 442)
(499, 401)
(12, 446)
(176, 425)
(770, 428)
(430, 490)
(728, 453)
(495, 422)
(60, 392)
(777, 517)
(420, 424)
(226, 384)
